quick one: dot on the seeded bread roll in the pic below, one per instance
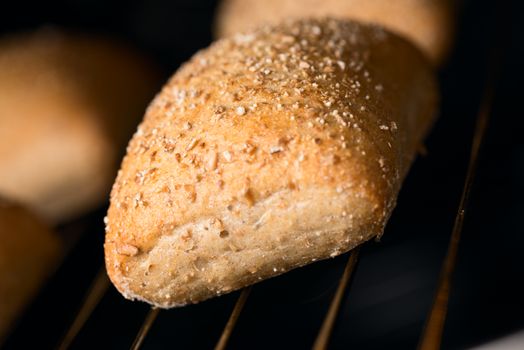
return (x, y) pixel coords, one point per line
(68, 105)
(266, 152)
(28, 252)
(428, 23)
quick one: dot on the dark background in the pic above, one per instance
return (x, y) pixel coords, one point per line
(395, 280)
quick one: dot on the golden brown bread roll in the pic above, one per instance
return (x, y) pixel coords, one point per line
(263, 153)
(28, 253)
(429, 23)
(68, 104)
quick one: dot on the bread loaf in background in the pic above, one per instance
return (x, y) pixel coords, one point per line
(68, 105)
(428, 23)
(28, 253)
(265, 152)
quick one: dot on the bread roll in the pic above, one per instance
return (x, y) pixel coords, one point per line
(28, 252)
(266, 152)
(428, 23)
(68, 104)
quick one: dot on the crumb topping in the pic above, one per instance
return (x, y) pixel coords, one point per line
(315, 72)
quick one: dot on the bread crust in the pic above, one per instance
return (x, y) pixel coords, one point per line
(68, 105)
(428, 23)
(28, 253)
(263, 153)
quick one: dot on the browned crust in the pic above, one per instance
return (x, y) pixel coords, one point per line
(263, 153)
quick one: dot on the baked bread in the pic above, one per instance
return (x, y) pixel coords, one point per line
(266, 152)
(428, 23)
(28, 253)
(68, 105)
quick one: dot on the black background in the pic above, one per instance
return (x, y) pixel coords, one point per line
(395, 280)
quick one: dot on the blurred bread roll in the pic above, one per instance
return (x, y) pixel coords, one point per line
(28, 253)
(68, 104)
(265, 152)
(428, 23)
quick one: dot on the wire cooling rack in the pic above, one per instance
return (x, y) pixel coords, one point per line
(341, 292)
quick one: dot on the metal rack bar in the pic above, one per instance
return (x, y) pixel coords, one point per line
(233, 318)
(144, 330)
(324, 334)
(95, 293)
(432, 334)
